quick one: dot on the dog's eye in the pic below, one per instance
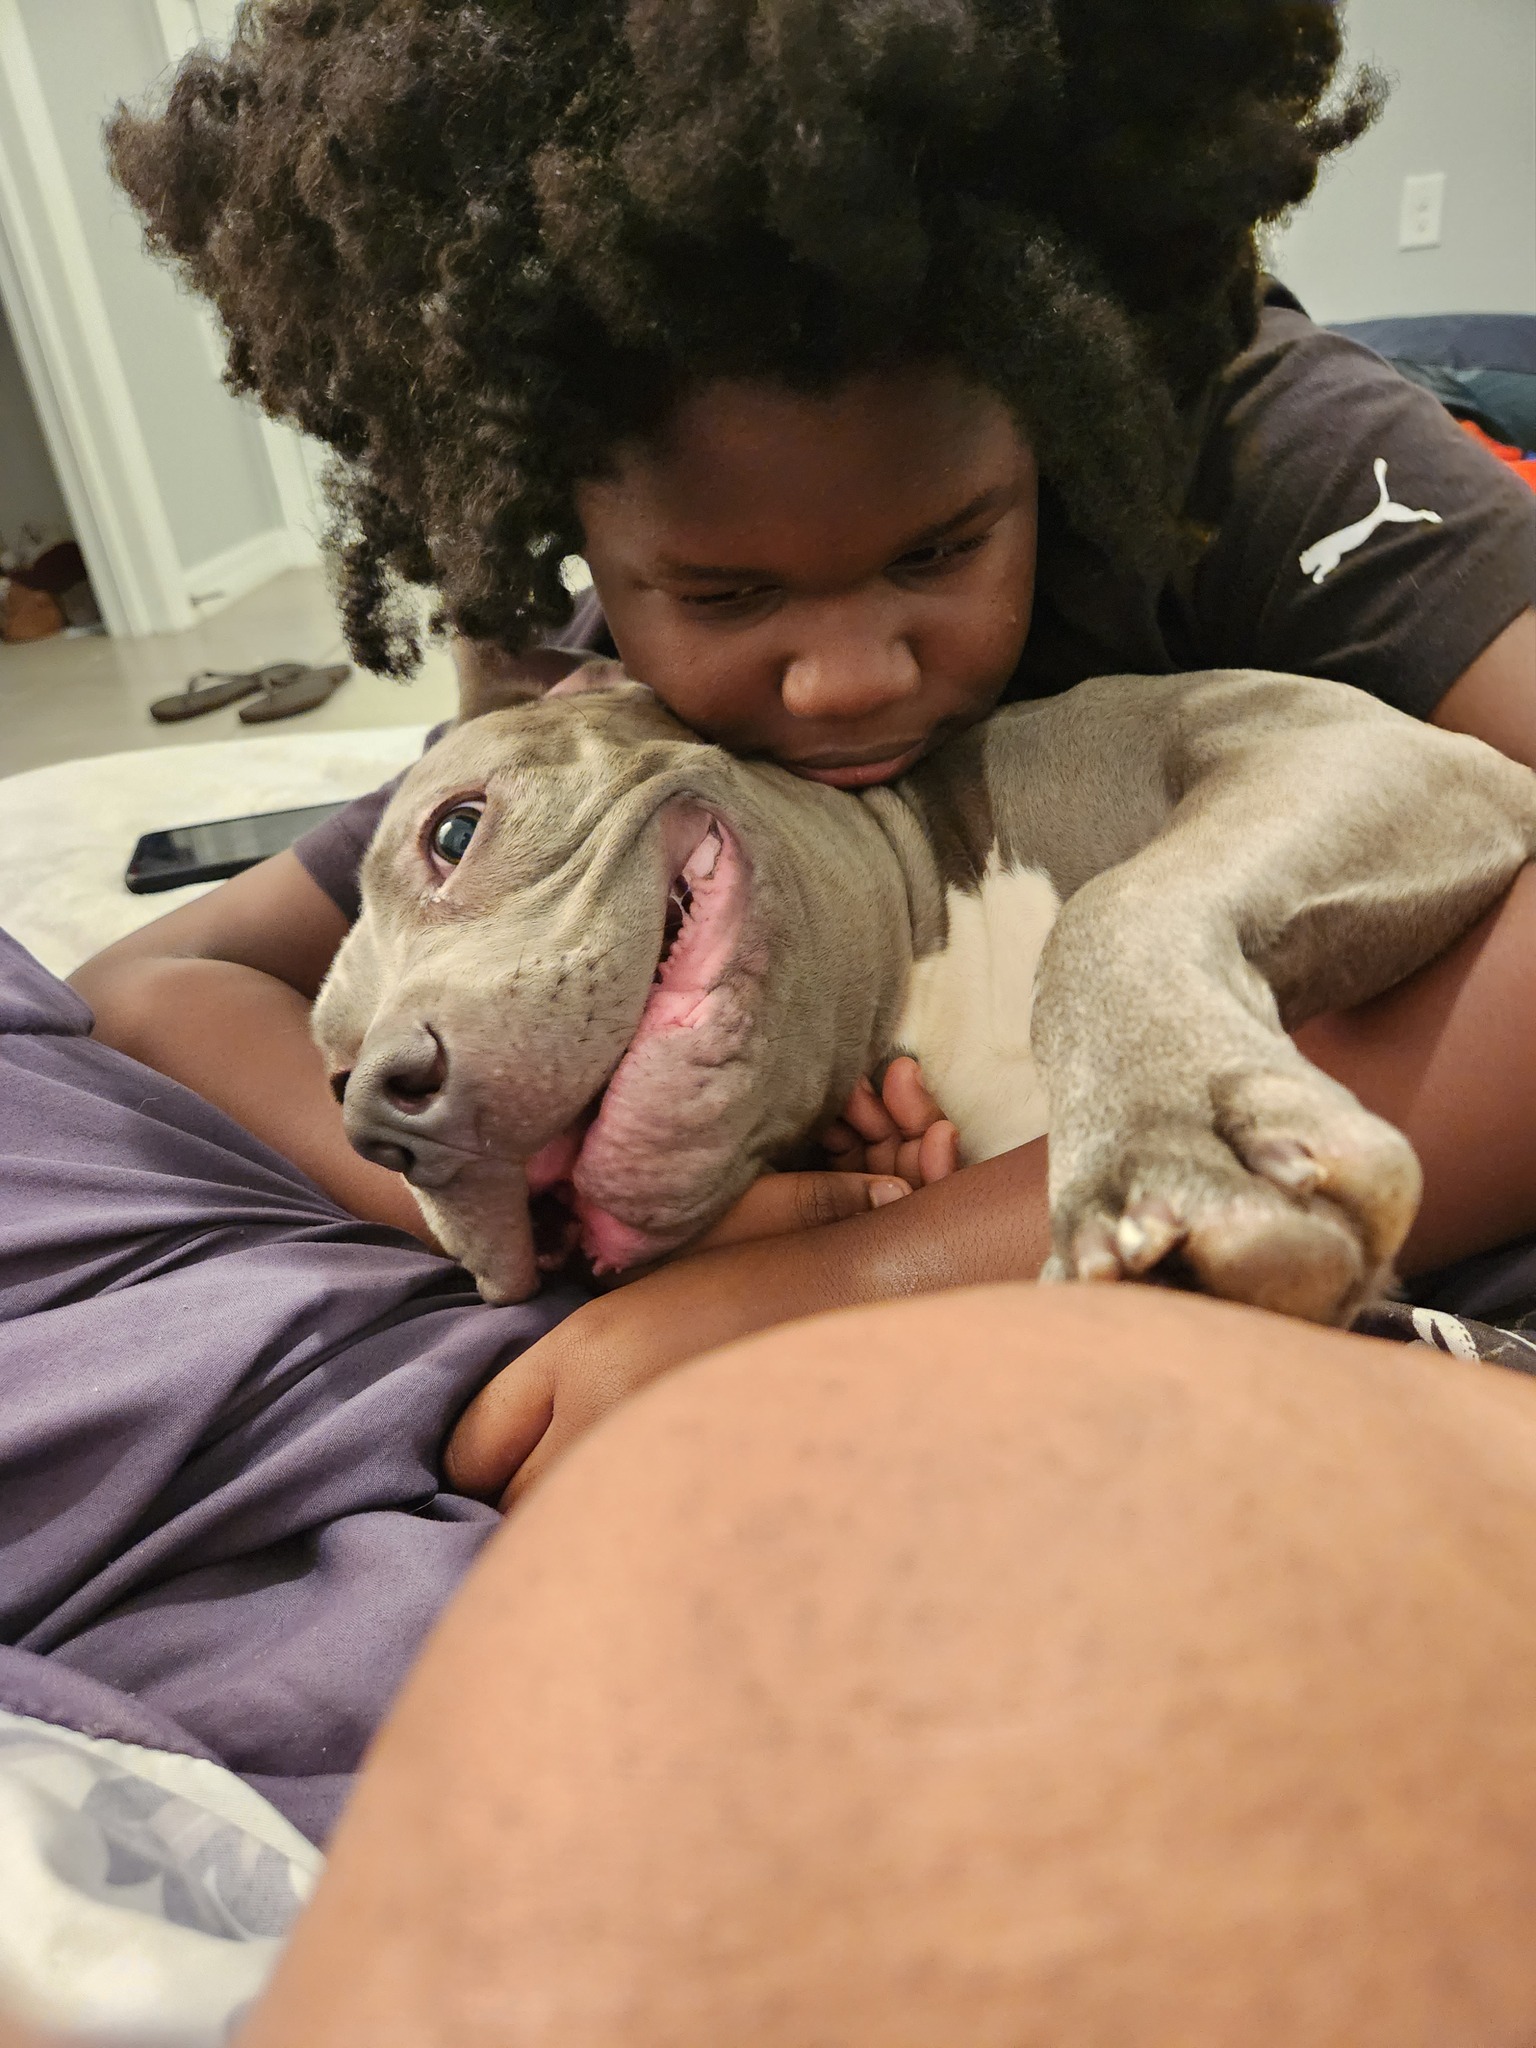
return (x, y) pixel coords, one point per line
(453, 832)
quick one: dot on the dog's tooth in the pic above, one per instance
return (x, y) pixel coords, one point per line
(708, 849)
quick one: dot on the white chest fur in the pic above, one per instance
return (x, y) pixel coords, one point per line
(968, 1008)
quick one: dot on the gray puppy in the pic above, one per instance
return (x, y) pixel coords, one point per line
(605, 963)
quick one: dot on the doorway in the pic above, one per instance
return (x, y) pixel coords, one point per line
(44, 584)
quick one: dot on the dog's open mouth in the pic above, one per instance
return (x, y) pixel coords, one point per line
(628, 1121)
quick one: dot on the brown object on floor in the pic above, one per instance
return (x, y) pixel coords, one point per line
(29, 614)
(306, 691)
(212, 688)
(56, 569)
(58, 577)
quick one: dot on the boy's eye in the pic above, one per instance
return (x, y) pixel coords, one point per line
(941, 553)
(724, 600)
(450, 836)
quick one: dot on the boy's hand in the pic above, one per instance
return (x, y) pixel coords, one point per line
(882, 1147)
(740, 1278)
(778, 1203)
(901, 1130)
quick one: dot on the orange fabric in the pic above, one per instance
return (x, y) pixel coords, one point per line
(29, 615)
(1523, 465)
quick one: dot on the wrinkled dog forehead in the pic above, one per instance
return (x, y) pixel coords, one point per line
(550, 772)
(559, 765)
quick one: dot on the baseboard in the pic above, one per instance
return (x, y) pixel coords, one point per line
(222, 578)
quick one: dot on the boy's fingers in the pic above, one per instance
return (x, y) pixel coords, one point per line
(563, 1431)
(932, 1157)
(843, 1145)
(576, 1411)
(784, 1202)
(907, 1100)
(938, 1153)
(884, 1157)
(500, 1428)
(868, 1114)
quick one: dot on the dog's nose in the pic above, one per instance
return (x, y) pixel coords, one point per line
(398, 1109)
(417, 1074)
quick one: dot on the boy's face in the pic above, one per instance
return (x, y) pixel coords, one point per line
(835, 582)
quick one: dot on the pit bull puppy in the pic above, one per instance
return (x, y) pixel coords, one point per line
(603, 963)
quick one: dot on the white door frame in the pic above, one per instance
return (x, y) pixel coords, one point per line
(63, 337)
(180, 25)
(183, 25)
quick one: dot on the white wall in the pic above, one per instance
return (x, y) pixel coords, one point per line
(207, 449)
(30, 498)
(1463, 102)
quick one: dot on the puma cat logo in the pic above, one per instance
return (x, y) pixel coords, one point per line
(1324, 556)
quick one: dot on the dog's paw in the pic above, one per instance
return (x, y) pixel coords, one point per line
(1289, 1197)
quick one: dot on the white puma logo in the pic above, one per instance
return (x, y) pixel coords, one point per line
(1324, 556)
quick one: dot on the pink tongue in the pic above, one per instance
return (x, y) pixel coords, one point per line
(608, 1243)
(694, 848)
(556, 1161)
(612, 1246)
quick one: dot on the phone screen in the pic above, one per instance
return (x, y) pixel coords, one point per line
(225, 846)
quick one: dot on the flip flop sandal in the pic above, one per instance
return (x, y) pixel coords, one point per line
(303, 692)
(212, 688)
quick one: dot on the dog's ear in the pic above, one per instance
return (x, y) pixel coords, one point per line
(596, 675)
(490, 679)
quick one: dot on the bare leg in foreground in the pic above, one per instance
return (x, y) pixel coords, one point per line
(1053, 1667)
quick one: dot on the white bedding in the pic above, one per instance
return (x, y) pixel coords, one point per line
(144, 1897)
(66, 832)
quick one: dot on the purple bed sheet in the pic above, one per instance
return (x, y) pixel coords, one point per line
(222, 1405)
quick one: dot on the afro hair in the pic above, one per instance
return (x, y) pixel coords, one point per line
(472, 245)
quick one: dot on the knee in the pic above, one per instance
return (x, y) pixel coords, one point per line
(1059, 1396)
(1014, 1467)
(1095, 1657)
(974, 1627)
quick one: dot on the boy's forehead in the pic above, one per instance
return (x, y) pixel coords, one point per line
(753, 465)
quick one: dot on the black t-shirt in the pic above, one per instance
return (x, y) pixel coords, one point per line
(1295, 428)
(1317, 467)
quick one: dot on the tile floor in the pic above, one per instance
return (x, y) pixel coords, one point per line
(64, 699)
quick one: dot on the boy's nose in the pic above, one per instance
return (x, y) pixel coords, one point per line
(850, 679)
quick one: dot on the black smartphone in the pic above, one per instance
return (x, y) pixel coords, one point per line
(212, 852)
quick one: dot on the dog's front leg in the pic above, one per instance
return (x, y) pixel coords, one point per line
(1191, 1143)
(1304, 868)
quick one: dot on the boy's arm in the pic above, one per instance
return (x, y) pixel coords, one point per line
(217, 995)
(1445, 1056)
(985, 1224)
(1495, 700)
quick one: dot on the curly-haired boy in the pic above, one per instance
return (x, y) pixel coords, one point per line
(885, 362)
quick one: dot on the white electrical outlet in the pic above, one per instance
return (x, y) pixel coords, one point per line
(1423, 208)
